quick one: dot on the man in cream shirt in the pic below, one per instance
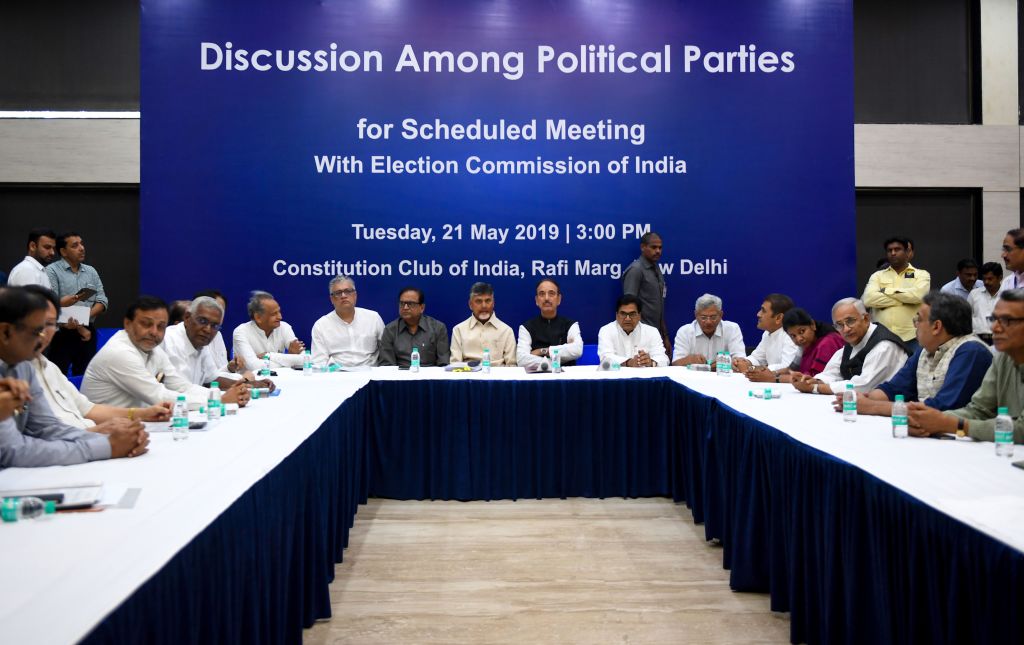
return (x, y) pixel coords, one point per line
(132, 370)
(266, 334)
(349, 336)
(483, 331)
(629, 342)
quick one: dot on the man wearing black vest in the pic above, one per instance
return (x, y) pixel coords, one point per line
(540, 336)
(872, 354)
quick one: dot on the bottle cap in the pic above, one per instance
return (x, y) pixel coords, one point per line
(181, 397)
(849, 386)
(899, 398)
(1003, 410)
(214, 385)
(50, 507)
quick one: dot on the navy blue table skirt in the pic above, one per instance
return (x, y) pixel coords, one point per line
(852, 559)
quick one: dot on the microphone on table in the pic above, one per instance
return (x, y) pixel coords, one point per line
(538, 368)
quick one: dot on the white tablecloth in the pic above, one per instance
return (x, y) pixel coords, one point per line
(62, 576)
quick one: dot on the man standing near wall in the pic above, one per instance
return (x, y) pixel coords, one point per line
(644, 279)
(42, 247)
(894, 293)
(76, 284)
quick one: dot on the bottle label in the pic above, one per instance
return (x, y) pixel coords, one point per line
(1004, 436)
(849, 406)
(180, 422)
(899, 420)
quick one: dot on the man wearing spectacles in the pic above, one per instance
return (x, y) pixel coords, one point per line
(414, 329)
(33, 435)
(1002, 386)
(132, 370)
(349, 336)
(872, 354)
(947, 369)
(708, 334)
(1013, 258)
(629, 342)
(189, 346)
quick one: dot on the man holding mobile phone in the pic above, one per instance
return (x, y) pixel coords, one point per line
(76, 284)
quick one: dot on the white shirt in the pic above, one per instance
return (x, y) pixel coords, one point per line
(197, 365)
(121, 374)
(570, 351)
(616, 345)
(691, 340)
(982, 305)
(348, 344)
(67, 403)
(29, 271)
(220, 350)
(251, 343)
(776, 350)
(879, 366)
(1012, 281)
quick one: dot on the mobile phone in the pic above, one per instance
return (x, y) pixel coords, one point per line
(1019, 464)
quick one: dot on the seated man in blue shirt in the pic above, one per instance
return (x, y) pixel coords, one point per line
(948, 368)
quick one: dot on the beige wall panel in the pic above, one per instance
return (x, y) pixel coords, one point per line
(69, 150)
(938, 156)
(1000, 213)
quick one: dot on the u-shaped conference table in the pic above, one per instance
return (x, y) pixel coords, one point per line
(234, 537)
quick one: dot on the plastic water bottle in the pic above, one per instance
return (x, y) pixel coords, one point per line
(726, 368)
(414, 359)
(616, 365)
(850, 403)
(1004, 433)
(214, 410)
(265, 371)
(899, 418)
(179, 419)
(13, 509)
(486, 364)
(556, 361)
(307, 362)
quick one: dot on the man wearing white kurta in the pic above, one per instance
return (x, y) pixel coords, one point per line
(629, 342)
(776, 351)
(266, 335)
(872, 354)
(42, 248)
(708, 334)
(349, 336)
(132, 370)
(189, 346)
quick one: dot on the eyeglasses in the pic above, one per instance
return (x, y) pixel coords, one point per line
(407, 304)
(711, 318)
(38, 331)
(629, 315)
(1004, 321)
(917, 320)
(342, 292)
(843, 324)
(206, 322)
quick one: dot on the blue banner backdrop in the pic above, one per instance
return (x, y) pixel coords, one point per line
(273, 133)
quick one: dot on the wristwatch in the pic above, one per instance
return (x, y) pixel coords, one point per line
(961, 431)
(544, 351)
